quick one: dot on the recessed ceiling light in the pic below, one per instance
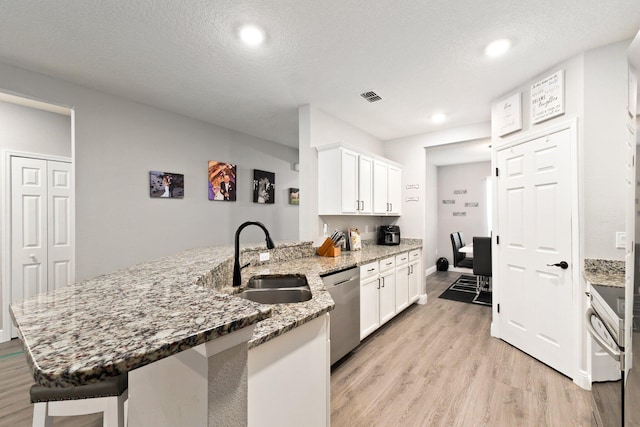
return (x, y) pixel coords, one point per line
(252, 35)
(497, 48)
(438, 118)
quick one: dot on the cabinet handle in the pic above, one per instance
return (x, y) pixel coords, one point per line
(357, 205)
(378, 283)
(391, 207)
(382, 281)
(370, 270)
(362, 208)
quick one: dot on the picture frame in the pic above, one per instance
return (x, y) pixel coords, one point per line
(166, 185)
(508, 115)
(294, 196)
(264, 187)
(222, 181)
(547, 98)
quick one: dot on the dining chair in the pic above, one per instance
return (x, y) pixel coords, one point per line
(482, 262)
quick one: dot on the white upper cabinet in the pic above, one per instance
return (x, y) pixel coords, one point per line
(387, 185)
(349, 183)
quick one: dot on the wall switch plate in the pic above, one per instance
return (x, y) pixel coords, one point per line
(264, 256)
(621, 239)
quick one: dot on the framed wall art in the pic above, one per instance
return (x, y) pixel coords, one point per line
(294, 196)
(222, 181)
(547, 97)
(508, 115)
(264, 186)
(166, 185)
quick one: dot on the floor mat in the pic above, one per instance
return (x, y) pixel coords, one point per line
(464, 290)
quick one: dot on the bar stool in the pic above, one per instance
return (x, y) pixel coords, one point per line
(106, 396)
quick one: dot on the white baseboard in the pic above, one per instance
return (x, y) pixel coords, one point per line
(583, 380)
(5, 335)
(461, 270)
(423, 299)
(430, 270)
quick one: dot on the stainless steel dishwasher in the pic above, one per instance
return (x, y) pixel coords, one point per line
(344, 288)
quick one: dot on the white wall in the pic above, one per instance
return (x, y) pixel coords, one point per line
(470, 177)
(605, 135)
(317, 128)
(118, 142)
(420, 219)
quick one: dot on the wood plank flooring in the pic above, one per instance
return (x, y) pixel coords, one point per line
(433, 365)
(15, 380)
(436, 365)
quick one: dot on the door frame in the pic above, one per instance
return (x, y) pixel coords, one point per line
(6, 155)
(580, 375)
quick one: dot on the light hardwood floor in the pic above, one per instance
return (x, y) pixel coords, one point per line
(433, 365)
(436, 365)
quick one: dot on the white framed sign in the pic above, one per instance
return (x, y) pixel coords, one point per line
(547, 97)
(508, 115)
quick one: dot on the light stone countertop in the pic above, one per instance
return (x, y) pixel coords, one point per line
(604, 272)
(120, 321)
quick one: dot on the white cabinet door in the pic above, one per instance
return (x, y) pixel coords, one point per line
(402, 288)
(365, 184)
(380, 202)
(415, 275)
(369, 306)
(387, 296)
(394, 189)
(349, 181)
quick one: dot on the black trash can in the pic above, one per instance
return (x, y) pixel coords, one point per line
(442, 264)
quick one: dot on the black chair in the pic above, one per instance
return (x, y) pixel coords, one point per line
(482, 261)
(459, 258)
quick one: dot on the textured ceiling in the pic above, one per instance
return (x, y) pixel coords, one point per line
(420, 56)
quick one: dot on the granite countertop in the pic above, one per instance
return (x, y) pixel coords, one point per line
(120, 321)
(288, 316)
(604, 272)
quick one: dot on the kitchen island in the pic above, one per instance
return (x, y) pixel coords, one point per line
(141, 315)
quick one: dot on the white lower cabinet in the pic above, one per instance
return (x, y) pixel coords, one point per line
(289, 378)
(387, 287)
(402, 281)
(415, 275)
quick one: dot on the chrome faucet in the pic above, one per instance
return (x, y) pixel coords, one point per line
(236, 263)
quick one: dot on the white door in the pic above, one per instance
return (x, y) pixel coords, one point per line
(59, 206)
(29, 238)
(534, 210)
(630, 221)
(41, 227)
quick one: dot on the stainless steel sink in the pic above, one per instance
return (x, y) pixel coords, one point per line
(270, 281)
(277, 295)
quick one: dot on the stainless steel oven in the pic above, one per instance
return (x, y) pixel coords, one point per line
(616, 403)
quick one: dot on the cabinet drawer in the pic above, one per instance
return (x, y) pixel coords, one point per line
(369, 270)
(387, 263)
(402, 258)
(414, 255)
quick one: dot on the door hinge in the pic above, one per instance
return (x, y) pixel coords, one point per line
(498, 308)
(497, 172)
(497, 240)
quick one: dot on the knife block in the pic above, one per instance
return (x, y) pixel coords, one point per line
(327, 249)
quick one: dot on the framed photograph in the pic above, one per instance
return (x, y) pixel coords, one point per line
(166, 185)
(264, 187)
(222, 181)
(294, 196)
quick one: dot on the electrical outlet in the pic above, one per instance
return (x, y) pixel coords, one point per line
(620, 303)
(264, 256)
(621, 239)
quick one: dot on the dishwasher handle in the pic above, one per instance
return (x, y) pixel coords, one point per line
(613, 352)
(350, 279)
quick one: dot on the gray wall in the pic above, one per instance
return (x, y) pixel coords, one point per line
(472, 178)
(118, 142)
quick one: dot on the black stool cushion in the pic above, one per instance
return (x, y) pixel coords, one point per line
(114, 386)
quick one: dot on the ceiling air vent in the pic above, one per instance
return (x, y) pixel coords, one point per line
(371, 96)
